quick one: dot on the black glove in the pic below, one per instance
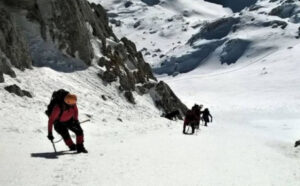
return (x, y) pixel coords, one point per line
(76, 122)
(50, 136)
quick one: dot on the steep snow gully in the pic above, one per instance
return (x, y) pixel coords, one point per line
(254, 101)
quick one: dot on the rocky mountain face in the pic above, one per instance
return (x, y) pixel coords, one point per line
(13, 48)
(71, 35)
(232, 4)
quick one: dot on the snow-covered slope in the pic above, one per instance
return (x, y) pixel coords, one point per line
(256, 116)
(255, 103)
(241, 38)
(180, 36)
(158, 29)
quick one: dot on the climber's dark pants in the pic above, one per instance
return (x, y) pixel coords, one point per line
(63, 127)
(193, 126)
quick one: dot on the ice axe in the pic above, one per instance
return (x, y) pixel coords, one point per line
(53, 146)
(84, 121)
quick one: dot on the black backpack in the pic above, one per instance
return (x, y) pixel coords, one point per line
(56, 99)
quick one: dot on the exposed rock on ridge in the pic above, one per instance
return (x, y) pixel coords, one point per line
(71, 35)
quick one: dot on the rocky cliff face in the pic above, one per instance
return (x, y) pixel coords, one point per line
(13, 48)
(72, 35)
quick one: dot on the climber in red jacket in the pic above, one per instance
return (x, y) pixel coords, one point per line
(64, 118)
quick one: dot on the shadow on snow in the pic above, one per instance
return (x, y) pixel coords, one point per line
(51, 155)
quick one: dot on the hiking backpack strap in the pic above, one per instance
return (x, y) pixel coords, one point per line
(60, 114)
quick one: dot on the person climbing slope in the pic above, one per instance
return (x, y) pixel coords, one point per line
(64, 117)
(192, 118)
(207, 117)
(197, 112)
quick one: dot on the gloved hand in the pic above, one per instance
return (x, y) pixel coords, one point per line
(50, 136)
(76, 122)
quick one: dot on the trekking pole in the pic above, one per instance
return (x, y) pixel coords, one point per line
(53, 146)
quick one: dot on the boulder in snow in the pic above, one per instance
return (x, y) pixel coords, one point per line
(108, 76)
(165, 99)
(284, 11)
(275, 24)
(233, 50)
(115, 22)
(129, 97)
(128, 4)
(151, 2)
(15, 89)
(136, 24)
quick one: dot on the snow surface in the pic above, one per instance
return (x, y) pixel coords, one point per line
(256, 121)
(255, 104)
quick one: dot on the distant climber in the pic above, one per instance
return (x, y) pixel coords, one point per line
(192, 119)
(207, 117)
(63, 114)
(197, 111)
(297, 143)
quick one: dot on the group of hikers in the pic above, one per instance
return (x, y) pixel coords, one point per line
(63, 115)
(194, 116)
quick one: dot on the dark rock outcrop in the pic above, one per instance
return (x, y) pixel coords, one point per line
(165, 99)
(127, 64)
(275, 24)
(151, 2)
(108, 77)
(59, 32)
(129, 97)
(233, 50)
(284, 11)
(15, 89)
(215, 30)
(188, 62)
(128, 4)
(5, 65)
(13, 49)
(236, 6)
(70, 25)
(1, 77)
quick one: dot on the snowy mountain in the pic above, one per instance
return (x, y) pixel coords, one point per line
(243, 65)
(246, 36)
(237, 58)
(161, 28)
(180, 36)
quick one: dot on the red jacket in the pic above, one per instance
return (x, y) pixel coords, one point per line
(66, 116)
